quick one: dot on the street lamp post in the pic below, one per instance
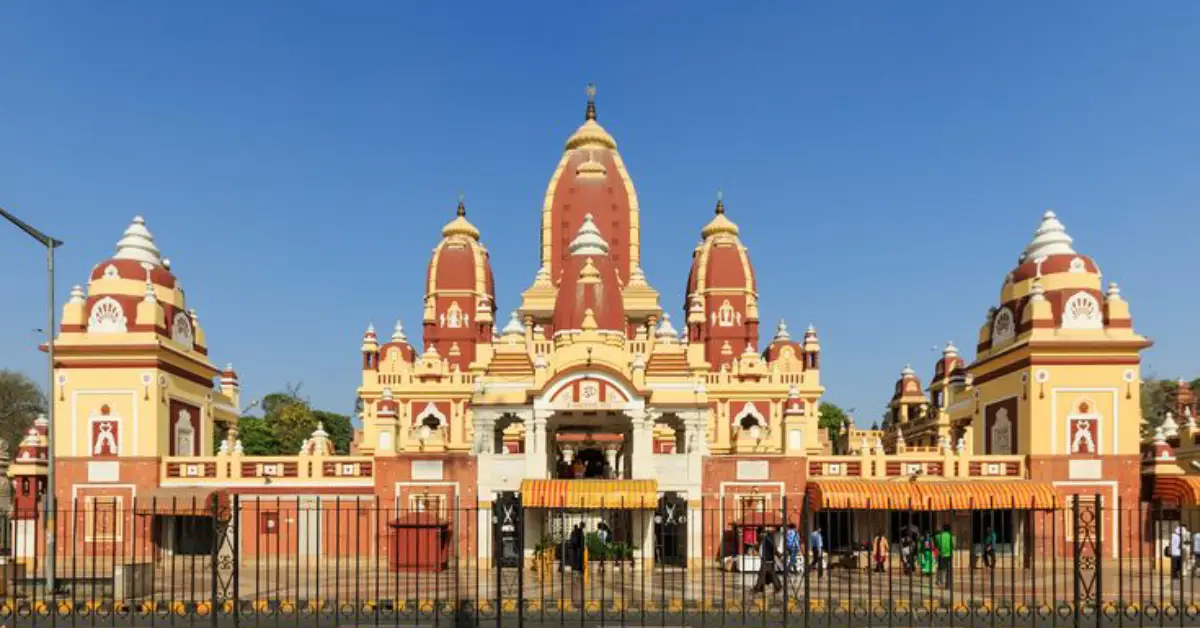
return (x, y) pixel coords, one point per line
(51, 529)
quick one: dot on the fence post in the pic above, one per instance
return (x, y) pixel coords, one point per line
(520, 565)
(216, 559)
(786, 558)
(806, 526)
(1099, 606)
(1077, 546)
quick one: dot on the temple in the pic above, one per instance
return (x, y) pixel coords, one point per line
(588, 401)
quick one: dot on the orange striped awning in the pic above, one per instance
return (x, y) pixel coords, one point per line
(1181, 490)
(631, 494)
(929, 496)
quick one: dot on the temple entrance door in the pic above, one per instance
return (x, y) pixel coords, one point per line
(670, 530)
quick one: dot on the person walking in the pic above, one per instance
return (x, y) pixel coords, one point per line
(767, 553)
(880, 551)
(989, 548)
(816, 543)
(907, 554)
(1196, 554)
(943, 541)
(1175, 550)
(791, 544)
(576, 545)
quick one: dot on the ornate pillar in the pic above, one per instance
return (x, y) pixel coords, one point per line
(535, 444)
(695, 430)
(484, 425)
(642, 463)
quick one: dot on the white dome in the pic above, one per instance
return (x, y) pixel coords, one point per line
(588, 240)
(665, 330)
(1050, 239)
(138, 244)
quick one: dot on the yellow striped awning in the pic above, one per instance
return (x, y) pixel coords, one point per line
(618, 494)
(929, 496)
(1180, 490)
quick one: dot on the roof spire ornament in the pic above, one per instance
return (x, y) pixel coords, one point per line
(781, 332)
(591, 104)
(719, 224)
(1050, 238)
(460, 225)
(138, 244)
(588, 240)
(398, 332)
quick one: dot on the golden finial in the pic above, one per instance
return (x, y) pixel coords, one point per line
(720, 202)
(462, 207)
(591, 96)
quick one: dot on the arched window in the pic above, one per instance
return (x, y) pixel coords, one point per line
(1082, 311)
(108, 317)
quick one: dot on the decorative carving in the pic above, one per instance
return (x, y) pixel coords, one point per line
(1082, 311)
(184, 433)
(181, 331)
(725, 315)
(454, 316)
(108, 317)
(1003, 326)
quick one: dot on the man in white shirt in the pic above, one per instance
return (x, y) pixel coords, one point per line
(1175, 549)
(1196, 553)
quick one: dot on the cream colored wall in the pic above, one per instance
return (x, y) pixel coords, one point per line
(141, 408)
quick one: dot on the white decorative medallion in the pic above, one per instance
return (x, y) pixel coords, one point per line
(108, 317)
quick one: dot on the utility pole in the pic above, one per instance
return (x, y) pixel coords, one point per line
(50, 505)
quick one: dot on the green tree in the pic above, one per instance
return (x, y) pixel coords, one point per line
(292, 425)
(258, 439)
(341, 431)
(1156, 401)
(21, 401)
(832, 418)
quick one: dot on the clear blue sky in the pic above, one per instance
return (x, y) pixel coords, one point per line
(886, 161)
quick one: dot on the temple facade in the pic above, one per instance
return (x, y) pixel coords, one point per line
(590, 402)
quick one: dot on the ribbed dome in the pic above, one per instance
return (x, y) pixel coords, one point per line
(1050, 238)
(138, 244)
(588, 240)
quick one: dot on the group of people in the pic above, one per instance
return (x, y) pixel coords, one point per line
(577, 541)
(1181, 545)
(932, 553)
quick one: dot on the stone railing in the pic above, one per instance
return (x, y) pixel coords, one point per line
(873, 465)
(256, 470)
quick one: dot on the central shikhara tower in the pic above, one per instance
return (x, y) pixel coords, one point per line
(589, 378)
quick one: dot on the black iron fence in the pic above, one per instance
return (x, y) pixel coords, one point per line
(296, 560)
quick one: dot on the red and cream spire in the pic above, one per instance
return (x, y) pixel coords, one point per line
(591, 179)
(722, 298)
(460, 301)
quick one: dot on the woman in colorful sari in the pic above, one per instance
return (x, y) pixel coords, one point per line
(927, 559)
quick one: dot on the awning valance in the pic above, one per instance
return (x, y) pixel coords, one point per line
(1179, 490)
(930, 496)
(613, 494)
(190, 501)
